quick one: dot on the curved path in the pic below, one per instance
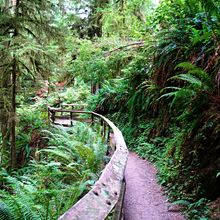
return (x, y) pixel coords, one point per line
(144, 198)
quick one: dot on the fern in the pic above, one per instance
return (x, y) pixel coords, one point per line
(181, 202)
(53, 184)
(21, 205)
(195, 82)
(180, 97)
(196, 72)
(5, 213)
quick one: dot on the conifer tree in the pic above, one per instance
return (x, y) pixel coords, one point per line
(25, 30)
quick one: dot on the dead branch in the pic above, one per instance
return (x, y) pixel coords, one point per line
(133, 45)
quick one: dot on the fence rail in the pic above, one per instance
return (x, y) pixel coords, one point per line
(108, 192)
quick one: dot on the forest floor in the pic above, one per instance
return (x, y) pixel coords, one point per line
(144, 199)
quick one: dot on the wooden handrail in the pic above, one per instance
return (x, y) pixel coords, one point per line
(102, 198)
(75, 105)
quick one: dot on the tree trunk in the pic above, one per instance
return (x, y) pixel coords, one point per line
(95, 18)
(13, 115)
(4, 113)
(4, 100)
(62, 7)
(13, 95)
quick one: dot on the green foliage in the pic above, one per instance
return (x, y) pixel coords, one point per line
(5, 212)
(31, 116)
(196, 81)
(110, 98)
(53, 184)
(192, 70)
(169, 112)
(71, 149)
(24, 43)
(211, 6)
(90, 63)
(75, 94)
(173, 157)
(164, 93)
(196, 210)
(99, 61)
(26, 30)
(125, 19)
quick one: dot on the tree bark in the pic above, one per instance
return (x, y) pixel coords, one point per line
(4, 99)
(62, 7)
(95, 18)
(4, 113)
(13, 95)
(13, 115)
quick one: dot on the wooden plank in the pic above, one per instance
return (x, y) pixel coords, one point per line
(74, 105)
(53, 109)
(67, 117)
(88, 120)
(118, 213)
(70, 110)
(62, 122)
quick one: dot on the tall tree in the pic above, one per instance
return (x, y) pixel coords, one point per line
(95, 18)
(4, 78)
(25, 28)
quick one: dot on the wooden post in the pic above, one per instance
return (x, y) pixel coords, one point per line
(71, 118)
(104, 130)
(101, 124)
(48, 112)
(92, 118)
(53, 116)
(108, 134)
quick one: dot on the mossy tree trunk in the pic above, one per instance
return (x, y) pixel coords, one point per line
(13, 115)
(4, 112)
(5, 84)
(95, 19)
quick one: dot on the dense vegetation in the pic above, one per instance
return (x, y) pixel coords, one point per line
(157, 70)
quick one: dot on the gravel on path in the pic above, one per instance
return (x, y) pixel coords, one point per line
(144, 199)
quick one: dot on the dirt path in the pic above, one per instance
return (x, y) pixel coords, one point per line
(144, 198)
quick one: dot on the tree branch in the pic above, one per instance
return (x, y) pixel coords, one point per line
(137, 44)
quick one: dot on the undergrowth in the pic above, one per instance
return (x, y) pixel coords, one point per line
(58, 176)
(168, 105)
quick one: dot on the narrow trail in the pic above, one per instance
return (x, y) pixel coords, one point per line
(144, 198)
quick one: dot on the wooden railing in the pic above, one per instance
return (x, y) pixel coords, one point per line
(107, 194)
(67, 114)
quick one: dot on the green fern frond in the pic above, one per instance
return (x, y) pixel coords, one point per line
(181, 96)
(185, 65)
(194, 75)
(181, 202)
(189, 78)
(5, 213)
(61, 155)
